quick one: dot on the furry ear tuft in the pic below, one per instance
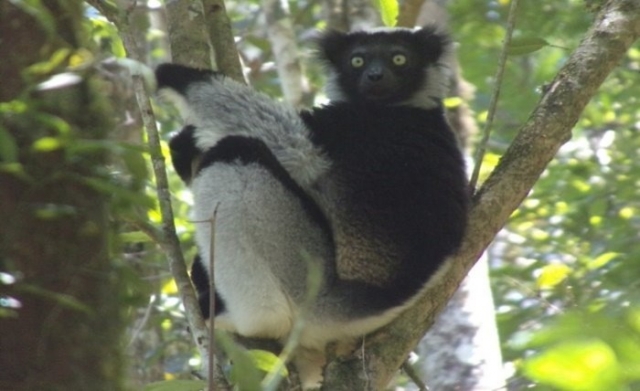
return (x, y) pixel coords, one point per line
(431, 41)
(331, 46)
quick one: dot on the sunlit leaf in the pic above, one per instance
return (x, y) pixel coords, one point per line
(56, 61)
(552, 275)
(602, 260)
(595, 220)
(15, 106)
(47, 144)
(482, 116)
(170, 287)
(80, 57)
(388, 11)
(626, 213)
(267, 361)
(452, 102)
(579, 365)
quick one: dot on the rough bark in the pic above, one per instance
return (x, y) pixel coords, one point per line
(220, 35)
(65, 335)
(187, 34)
(616, 28)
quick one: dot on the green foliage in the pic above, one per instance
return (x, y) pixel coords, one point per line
(563, 271)
(244, 372)
(106, 36)
(587, 351)
(388, 11)
(8, 148)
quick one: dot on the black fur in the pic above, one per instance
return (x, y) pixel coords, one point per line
(200, 279)
(178, 77)
(406, 181)
(184, 152)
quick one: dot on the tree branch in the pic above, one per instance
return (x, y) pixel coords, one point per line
(188, 41)
(615, 29)
(221, 37)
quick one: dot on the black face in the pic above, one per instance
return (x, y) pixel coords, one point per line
(385, 67)
(381, 73)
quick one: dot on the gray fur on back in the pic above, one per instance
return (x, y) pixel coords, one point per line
(275, 123)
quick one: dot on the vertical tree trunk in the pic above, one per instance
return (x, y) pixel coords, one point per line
(285, 52)
(65, 332)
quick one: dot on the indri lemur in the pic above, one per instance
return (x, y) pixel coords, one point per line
(371, 187)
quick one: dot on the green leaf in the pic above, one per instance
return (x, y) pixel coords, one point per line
(388, 11)
(47, 144)
(452, 102)
(525, 45)
(602, 260)
(552, 275)
(135, 237)
(267, 361)
(244, 372)
(177, 385)
(8, 147)
(589, 365)
(56, 61)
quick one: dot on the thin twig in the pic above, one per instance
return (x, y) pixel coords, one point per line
(482, 146)
(364, 361)
(212, 299)
(143, 322)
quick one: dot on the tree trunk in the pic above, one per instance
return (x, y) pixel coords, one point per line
(62, 328)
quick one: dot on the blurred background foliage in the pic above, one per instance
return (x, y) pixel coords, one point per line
(565, 270)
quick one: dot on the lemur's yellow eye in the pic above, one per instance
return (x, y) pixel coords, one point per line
(399, 59)
(357, 61)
